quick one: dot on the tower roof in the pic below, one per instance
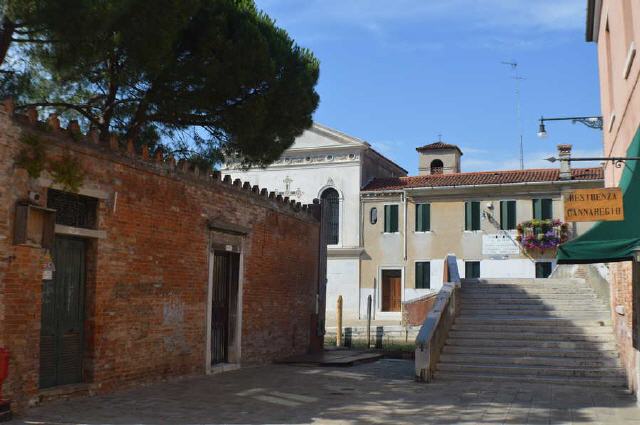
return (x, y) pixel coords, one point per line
(438, 146)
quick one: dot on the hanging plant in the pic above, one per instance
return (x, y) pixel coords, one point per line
(67, 172)
(542, 234)
(32, 157)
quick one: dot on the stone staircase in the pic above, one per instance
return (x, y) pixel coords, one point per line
(531, 330)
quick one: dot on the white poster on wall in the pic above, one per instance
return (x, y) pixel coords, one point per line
(499, 244)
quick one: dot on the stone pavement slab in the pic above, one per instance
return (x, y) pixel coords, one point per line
(383, 392)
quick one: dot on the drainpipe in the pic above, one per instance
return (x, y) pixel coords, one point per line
(404, 198)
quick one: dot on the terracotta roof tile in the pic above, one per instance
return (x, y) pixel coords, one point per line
(481, 178)
(438, 145)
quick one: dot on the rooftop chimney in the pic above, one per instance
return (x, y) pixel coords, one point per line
(564, 154)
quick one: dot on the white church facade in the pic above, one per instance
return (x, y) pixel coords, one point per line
(326, 164)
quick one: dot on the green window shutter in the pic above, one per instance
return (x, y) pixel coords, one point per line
(503, 215)
(537, 209)
(471, 269)
(423, 275)
(390, 218)
(547, 209)
(475, 215)
(507, 215)
(472, 215)
(423, 217)
(543, 209)
(543, 270)
(387, 221)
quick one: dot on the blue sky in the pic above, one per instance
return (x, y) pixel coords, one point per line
(398, 73)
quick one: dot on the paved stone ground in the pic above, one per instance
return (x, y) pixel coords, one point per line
(375, 393)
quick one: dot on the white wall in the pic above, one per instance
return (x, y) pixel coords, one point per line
(508, 268)
(342, 279)
(311, 180)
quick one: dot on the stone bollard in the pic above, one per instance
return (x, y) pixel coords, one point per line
(339, 322)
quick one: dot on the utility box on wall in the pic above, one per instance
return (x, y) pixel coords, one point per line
(34, 226)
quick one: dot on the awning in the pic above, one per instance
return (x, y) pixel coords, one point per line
(609, 241)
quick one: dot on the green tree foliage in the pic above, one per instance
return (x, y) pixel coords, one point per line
(201, 77)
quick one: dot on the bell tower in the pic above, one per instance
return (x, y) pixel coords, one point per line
(439, 158)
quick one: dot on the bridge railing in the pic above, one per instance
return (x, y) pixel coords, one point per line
(436, 326)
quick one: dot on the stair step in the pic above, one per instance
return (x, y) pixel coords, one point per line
(567, 362)
(525, 301)
(533, 379)
(571, 314)
(524, 281)
(537, 336)
(530, 351)
(529, 292)
(531, 343)
(486, 297)
(558, 329)
(614, 372)
(543, 307)
(539, 321)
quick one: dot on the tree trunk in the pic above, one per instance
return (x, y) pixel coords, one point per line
(6, 34)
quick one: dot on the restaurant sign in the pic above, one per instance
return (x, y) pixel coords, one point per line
(593, 205)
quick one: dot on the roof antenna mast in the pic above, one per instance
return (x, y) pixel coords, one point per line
(516, 76)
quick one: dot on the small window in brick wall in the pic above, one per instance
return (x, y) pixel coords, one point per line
(73, 209)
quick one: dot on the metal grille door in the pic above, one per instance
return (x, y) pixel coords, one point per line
(224, 292)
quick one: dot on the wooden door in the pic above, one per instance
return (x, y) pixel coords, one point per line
(223, 311)
(61, 333)
(391, 290)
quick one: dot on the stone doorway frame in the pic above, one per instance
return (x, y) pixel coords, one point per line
(229, 238)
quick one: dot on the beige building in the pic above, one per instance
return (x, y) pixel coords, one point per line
(615, 26)
(409, 224)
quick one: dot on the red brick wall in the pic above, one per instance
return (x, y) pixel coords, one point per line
(622, 295)
(147, 281)
(414, 312)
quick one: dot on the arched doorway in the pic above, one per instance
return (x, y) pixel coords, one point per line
(331, 201)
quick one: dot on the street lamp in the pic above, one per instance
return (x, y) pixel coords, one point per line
(594, 122)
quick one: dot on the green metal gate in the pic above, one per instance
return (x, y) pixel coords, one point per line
(61, 335)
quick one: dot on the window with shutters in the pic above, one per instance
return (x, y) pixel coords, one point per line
(331, 200)
(543, 269)
(472, 269)
(423, 217)
(472, 215)
(391, 219)
(542, 209)
(423, 275)
(507, 215)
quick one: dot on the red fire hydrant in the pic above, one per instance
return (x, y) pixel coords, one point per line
(5, 405)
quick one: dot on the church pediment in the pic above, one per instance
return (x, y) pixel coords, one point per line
(322, 138)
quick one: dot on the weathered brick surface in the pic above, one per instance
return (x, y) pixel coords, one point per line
(622, 295)
(147, 281)
(415, 312)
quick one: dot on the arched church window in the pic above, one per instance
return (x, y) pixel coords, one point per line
(331, 201)
(437, 167)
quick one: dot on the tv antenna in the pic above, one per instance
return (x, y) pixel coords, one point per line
(516, 76)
